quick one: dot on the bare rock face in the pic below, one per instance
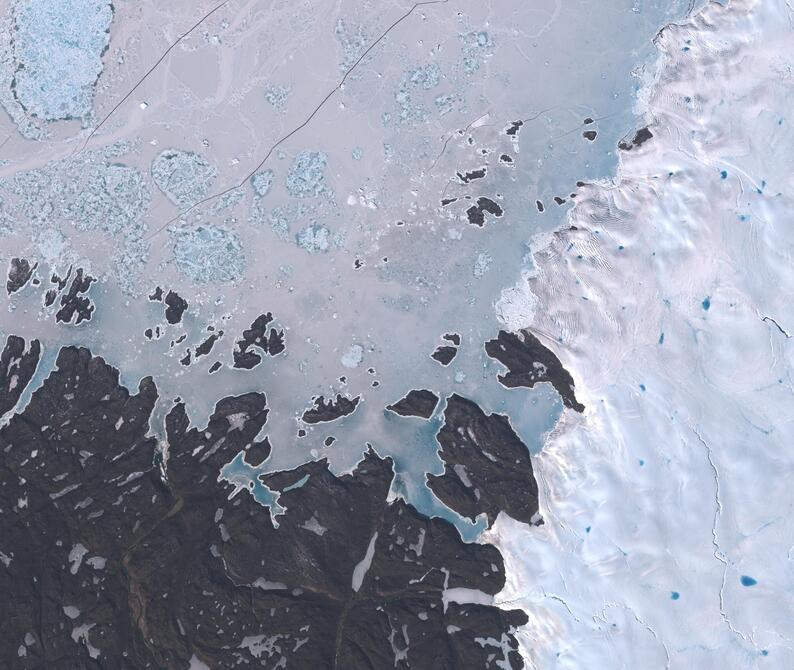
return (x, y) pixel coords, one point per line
(175, 307)
(640, 138)
(112, 558)
(528, 363)
(18, 362)
(487, 469)
(420, 403)
(19, 273)
(262, 336)
(76, 306)
(330, 409)
(444, 354)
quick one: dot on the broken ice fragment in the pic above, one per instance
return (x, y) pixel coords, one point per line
(57, 48)
(262, 182)
(184, 177)
(353, 356)
(208, 254)
(314, 238)
(306, 177)
(277, 96)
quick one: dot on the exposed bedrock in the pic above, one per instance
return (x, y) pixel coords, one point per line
(528, 363)
(486, 465)
(111, 559)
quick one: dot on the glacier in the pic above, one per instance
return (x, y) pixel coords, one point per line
(667, 295)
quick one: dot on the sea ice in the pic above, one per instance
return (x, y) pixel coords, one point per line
(184, 177)
(58, 45)
(208, 254)
(306, 177)
(262, 182)
(314, 238)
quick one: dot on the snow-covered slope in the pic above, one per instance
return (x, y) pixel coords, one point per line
(669, 538)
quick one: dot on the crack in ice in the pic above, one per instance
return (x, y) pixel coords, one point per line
(640, 621)
(339, 86)
(548, 596)
(719, 554)
(150, 70)
(769, 319)
(562, 601)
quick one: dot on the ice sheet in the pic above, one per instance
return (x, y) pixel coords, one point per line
(669, 538)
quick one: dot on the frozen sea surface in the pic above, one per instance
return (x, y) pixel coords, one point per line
(348, 217)
(56, 57)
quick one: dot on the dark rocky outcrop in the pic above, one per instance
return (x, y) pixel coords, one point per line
(111, 558)
(206, 346)
(487, 469)
(444, 354)
(262, 336)
(476, 213)
(471, 175)
(175, 306)
(421, 403)
(640, 138)
(331, 409)
(19, 273)
(75, 306)
(528, 363)
(513, 128)
(18, 362)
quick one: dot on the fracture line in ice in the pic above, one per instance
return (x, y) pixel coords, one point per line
(719, 554)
